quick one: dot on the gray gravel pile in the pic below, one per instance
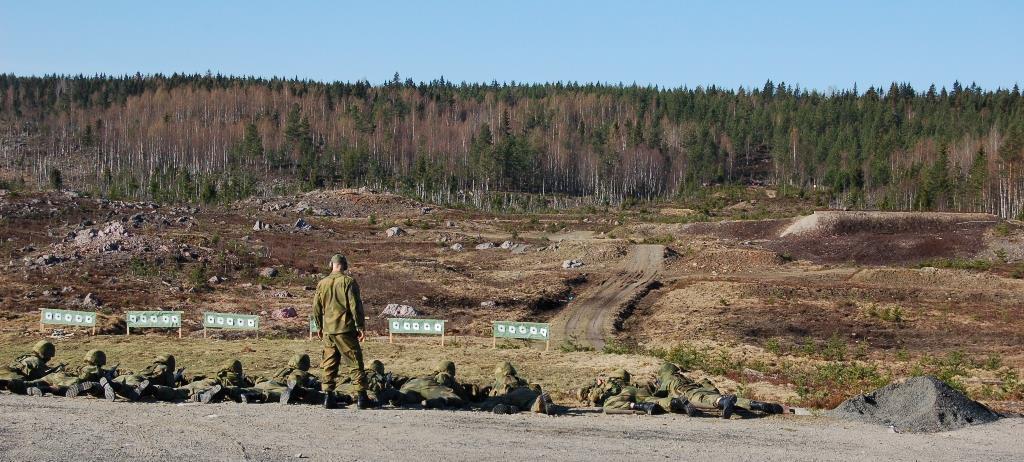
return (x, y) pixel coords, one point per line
(918, 405)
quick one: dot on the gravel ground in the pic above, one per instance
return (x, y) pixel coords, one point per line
(86, 429)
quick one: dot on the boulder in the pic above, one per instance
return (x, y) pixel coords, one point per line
(260, 226)
(394, 309)
(507, 245)
(394, 231)
(268, 272)
(569, 264)
(215, 280)
(301, 224)
(485, 246)
(458, 247)
(91, 301)
(284, 313)
(519, 248)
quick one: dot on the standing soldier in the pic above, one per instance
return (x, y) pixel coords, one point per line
(338, 312)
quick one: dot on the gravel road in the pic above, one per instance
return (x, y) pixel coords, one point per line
(589, 318)
(86, 429)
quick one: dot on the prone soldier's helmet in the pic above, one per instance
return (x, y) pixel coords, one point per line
(446, 367)
(377, 366)
(96, 358)
(44, 349)
(166, 359)
(232, 365)
(667, 370)
(620, 374)
(300, 362)
(504, 369)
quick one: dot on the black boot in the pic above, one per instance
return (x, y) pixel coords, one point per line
(436, 403)
(140, 390)
(79, 388)
(286, 395)
(727, 403)
(767, 408)
(208, 395)
(364, 402)
(330, 401)
(500, 409)
(646, 408)
(684, 405)
(108, 389)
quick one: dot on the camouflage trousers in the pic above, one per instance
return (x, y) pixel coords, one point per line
(338, 349)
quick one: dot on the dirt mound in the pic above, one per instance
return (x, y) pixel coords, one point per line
(883, 238)
(838, 222)
(920, 404)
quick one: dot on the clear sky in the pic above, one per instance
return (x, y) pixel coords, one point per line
(819, 44)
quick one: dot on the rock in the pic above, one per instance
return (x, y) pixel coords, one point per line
(449, 224)
(394, 309)
(284, 313)
(321, 212)
(488, 304)
(114, 229)
(426, 210)
(91, 301)
(113, 246)
(260, 226)
(301, 224)
(569, 264)
(283, 294)
(507, 245)
(268, 272)
(137, 219)
(215, 280)
(394, 231)
(519, 248)
(85, 236)
(458, 247)
(47, 260)
(485, 246)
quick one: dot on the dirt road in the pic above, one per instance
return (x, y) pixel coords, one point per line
(86, 429)
(589, 318)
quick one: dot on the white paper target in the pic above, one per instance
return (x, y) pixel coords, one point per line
(543, 332)
(406, 326)
(210, 320)
(49, 315)
(395, 325)
(252, 323)
(220, 320)
(501, 328)
(78, 318)
(426, 327)
(438, 327)
(522, 329)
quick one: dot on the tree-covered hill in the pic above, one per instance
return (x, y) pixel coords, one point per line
(213, 137)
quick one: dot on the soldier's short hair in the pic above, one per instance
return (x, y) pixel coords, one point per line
(340, 260)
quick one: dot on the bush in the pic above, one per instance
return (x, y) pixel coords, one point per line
(572, 344)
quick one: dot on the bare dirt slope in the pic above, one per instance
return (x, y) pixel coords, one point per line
(84, 429)
(589, 319)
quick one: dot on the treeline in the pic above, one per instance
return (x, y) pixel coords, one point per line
(218, 138)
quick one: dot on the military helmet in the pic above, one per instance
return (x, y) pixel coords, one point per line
(232, 365)
(620, 374)
(300, 362)
(165, 359)
(668, 369)
(446, 367)
(377, 366)
(44, 349)
(504, 369)
(96, 357)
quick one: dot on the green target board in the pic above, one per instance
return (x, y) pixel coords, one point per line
(522, 330)
(231, 321)
(312, 326)
(416, 326)
(157, 319)
(68, 317)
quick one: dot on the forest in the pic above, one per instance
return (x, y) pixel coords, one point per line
(214, 138)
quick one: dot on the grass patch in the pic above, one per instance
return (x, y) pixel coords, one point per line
(958, 263)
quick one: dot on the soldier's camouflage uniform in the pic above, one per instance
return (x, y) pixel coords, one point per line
(338, 310)
(628, 396)
(703, 395)
(381, 386)
(597, 391)
(30, 366)
(439, 389)
(516, 394)
(305, 385)
(89, 374)
(160, 376)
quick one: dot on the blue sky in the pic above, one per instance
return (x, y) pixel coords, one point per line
(823, 44)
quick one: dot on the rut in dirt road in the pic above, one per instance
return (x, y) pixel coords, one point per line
(589, 318)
